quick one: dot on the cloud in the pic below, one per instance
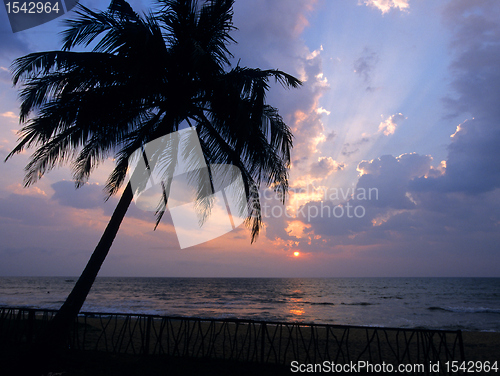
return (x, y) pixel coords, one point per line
(10, 115)
(365, 64)
(391, 176)
(18, 189)
(21, 209)
(269, 27)
(386, 5)
(41, 237)
(324, 167)
(321, 110)
(471, 22)
(92, 196)
(331, 136)
(382, 193)
(268, 37)
(87, 197)
(415, 230)
(306, 121)
(472, 163)
(476, 79)
(350, 148)
(388, 126)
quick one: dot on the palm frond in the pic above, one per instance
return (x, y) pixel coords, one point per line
(87, 26)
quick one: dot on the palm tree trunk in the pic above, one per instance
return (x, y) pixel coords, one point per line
(60, 325)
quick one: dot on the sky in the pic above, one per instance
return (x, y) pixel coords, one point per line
(395, 166)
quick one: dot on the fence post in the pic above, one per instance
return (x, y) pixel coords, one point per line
(262, 341)
(30, 326)
(461, 344)
(148, 334)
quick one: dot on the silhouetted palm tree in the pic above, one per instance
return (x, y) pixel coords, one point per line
(144, 77)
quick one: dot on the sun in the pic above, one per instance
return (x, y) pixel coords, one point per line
(296, 254)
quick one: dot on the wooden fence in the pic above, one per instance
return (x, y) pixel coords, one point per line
(242, 340)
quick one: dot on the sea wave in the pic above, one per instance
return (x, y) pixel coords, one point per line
(359, 304)
(465, 309)
(320, 303)
(464, 303)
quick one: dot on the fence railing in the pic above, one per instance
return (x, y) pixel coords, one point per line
(245, 340)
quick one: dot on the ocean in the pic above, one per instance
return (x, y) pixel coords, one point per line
(471, 304)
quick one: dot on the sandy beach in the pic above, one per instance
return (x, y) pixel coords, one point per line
(478, 346)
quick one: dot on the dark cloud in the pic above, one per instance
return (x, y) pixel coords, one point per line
(267, 37)
(41, 237)
(391, 176)
(382, 193)
(472, 164)
(91, 196)
(405, 225)
(266, 24)
(334, 219)
(471, 22)
(21, 208)
(350, 148)
(365, 65)
(88, 196)
(324, 167)
(298, 161)
(473, 158)
(331, 136)
(348, 151)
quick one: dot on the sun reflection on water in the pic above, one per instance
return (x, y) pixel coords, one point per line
(297, 311)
